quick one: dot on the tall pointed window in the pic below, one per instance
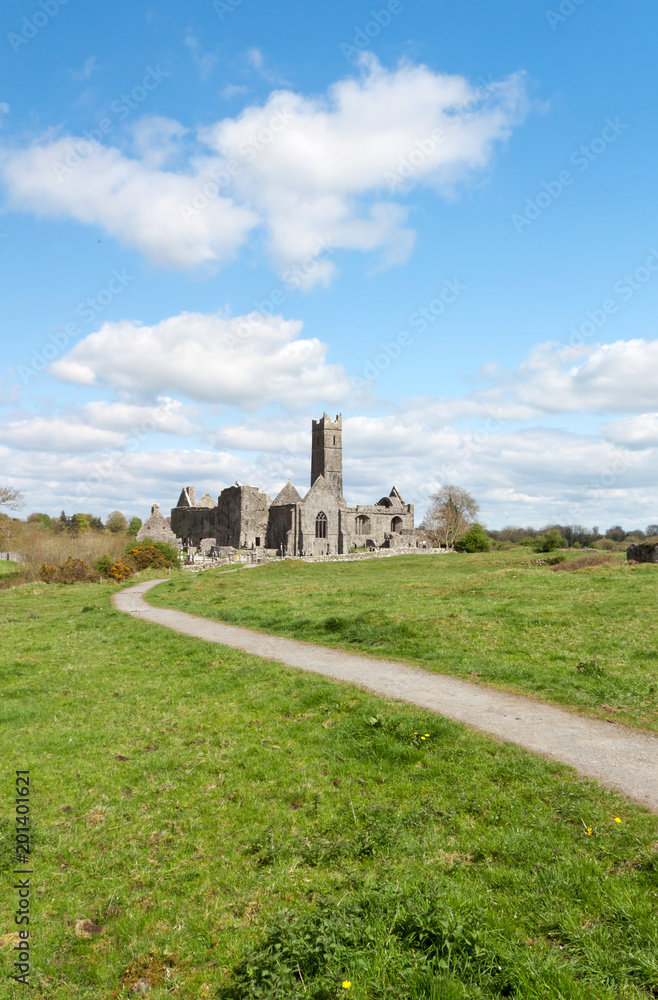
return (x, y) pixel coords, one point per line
(321, 525)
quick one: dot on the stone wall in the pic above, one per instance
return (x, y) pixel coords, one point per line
(373, 523)
(242, 516)
(644, 552)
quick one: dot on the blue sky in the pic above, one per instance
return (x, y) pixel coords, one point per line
(488, 167)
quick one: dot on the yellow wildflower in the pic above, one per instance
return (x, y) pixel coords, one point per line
(617, 819)
(346, 984)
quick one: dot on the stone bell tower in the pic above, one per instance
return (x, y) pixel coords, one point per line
(327, 452)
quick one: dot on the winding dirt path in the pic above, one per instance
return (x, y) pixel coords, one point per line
(619, 757)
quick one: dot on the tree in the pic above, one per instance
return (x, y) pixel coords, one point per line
(450, 513)
(474, 539)
(652, 530)
(43, 519)
(550, 541)
(134, 526)
(116, 522)
(616, 533)
(9, 497)
(80, 522)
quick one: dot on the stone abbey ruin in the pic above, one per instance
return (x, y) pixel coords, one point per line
(320, 524)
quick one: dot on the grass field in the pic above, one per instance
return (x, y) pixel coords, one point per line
(586, 638)
(8, 568)
(233, 829)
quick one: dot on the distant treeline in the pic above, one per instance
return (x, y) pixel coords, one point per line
(575, 534)
(74, 524)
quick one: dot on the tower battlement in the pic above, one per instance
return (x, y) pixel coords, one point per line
(327, 452)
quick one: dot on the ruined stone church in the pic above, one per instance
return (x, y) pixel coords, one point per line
(319, 524)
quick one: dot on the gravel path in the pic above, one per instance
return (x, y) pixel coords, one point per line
(619, 757)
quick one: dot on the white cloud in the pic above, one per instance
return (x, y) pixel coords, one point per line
(89, 66)
(553, 380)
(156, 139)
(137, 203)
(205, 61)
(255, 57)
(97, 426)
(306, 169)
(55, 434)
(233, 90)
(243, 361)
(166, 416)
(602, 378)
(633, 432)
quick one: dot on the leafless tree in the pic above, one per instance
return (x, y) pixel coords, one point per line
(9, 497)
(451, 511)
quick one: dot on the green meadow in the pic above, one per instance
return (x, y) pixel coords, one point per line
(586, 638)
(210, 824)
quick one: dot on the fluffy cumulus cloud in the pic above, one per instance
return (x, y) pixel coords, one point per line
(246, 361)
(553, 380)
(633, 432)
(97, 426)
(308, 171)
(131, 198)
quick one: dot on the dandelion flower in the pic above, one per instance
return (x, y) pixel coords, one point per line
(589, 831)
(346, 984)
(617, 819)
(427, 734)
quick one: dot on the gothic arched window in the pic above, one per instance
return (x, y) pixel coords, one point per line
(396, 524)
(321, 525)
(362, 524)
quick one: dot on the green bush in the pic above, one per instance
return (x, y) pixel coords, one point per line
(104, 565)
(475, 539)
(549, 542)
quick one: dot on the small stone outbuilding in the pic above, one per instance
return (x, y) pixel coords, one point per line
(643, 552)
(157, 528)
